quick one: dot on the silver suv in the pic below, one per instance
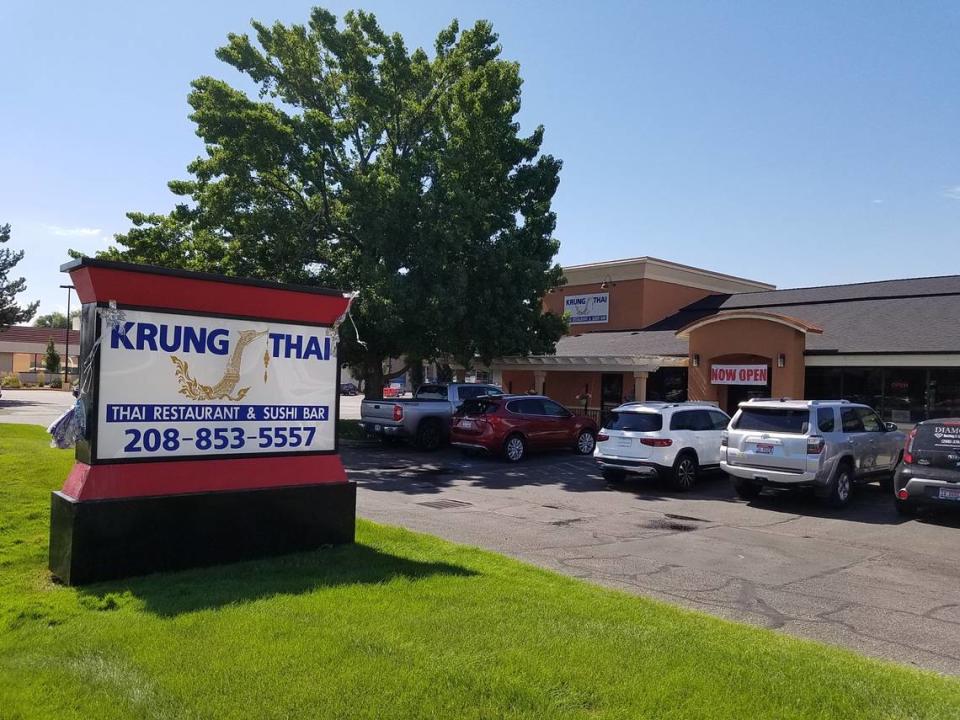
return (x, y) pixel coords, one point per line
(829, 445)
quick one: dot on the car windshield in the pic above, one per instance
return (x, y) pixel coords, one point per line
(635, 421)
(779, 420)
(480, 406)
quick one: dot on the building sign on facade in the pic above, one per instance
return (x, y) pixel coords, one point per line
(587, 308)
(739, 374)
(185, 386)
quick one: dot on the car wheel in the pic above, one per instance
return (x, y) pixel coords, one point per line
(685, 472)
(515, 448)
(840, 489)
(429, 435)
(746, 489)
(614, 476)
(586, 442)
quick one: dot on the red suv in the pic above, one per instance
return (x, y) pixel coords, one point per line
(514, 424)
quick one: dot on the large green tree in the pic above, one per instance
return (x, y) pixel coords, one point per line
(365, 166)
(11, 313)
(54, 320)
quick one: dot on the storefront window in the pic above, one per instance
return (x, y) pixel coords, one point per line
(904, 394)
(900, 395)
(944, 393)
(863, 385)
(668, 384)
(823, 384)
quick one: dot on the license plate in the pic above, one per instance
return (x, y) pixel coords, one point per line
(467, 424)
(949, 493)
(764, 449)
(377, 428)
(624, 442)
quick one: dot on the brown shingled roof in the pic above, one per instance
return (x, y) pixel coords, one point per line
(25, 334)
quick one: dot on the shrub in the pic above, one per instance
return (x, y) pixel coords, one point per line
(11, 381)
(41, 379)
(56, 382)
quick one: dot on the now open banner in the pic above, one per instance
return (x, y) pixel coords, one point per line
(739, 374)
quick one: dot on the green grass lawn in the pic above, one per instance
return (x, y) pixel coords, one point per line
(399, 625)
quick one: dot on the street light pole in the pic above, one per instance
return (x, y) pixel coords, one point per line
(66, 364)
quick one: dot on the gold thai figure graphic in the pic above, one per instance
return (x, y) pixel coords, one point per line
(224, 389)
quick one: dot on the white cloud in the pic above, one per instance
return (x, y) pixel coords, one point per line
(72, 232)
(953, 193)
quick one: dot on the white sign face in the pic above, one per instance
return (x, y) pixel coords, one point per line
(186, 386)
(587, 308)
(739, 374)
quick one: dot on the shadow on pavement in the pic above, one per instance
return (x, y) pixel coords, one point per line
(171, 594)
(404, 469)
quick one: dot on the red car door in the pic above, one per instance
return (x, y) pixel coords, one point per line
(532, 421)
(559, 424)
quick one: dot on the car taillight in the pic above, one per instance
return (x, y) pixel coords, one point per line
(908, 447)
(724, 438)
(656, 442)
(815, 445)
(397, 413)
(602, 437)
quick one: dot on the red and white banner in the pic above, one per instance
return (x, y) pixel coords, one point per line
(739, 374)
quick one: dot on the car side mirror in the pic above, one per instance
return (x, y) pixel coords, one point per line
(890, 427)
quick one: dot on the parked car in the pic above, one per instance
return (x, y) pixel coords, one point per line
(930, 471)
(670, 440)
(424, 418)
(513, 425)
(829, 445)
(349, 389)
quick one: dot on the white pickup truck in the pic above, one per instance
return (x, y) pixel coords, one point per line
(425, 418)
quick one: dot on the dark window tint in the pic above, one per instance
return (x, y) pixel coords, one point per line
(850, 420)
(718, 419)
(825, 420)
(681, 421)
(691, 420)
(635, 422)
(555, 409)
(871, 421)
(527, 406)
(473, 391)
(779, 420)
(432, 391)
(478, 407)
(938, 437)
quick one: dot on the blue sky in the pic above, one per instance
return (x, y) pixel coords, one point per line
(798, 143)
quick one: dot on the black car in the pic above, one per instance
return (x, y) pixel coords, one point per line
(930, 471)
(348, 389)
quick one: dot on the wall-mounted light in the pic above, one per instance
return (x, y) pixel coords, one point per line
(696, 359)
(607, 283)
(781, 360)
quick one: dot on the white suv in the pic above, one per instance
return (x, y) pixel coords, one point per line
(674, 440)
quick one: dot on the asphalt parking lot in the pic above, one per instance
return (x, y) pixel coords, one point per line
(863, 578)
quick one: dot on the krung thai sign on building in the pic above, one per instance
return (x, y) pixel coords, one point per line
(184, 386)
(583, 309)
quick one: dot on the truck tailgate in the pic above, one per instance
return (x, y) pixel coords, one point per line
(377, 410)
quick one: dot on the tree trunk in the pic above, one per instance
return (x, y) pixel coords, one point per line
(373, 382)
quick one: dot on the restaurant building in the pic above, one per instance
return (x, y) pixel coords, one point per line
(648, 329)
(23, 348)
